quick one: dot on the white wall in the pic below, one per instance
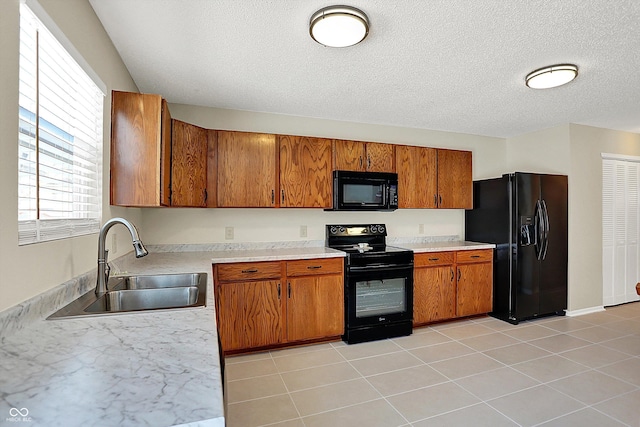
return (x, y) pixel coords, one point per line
(585, 202)
(261, 225)
(29, 270)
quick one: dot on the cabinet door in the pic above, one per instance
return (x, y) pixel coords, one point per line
(434, 294)
(305, 172)
(249, 314)
(348, 155)
(380, 157)
(416, 167)
(140, 150)
(189, 153)
(455, 184)
(315, 307)
(247, 171)
(475, 288)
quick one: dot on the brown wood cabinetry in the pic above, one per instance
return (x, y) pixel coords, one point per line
(434, 287)
(140, 150)
(434, 178)
(247, 169)
(417, 176)
(455, 186)
(363, 156)
(452, 284)
(249, 314)
(475, 282)
(315, 299)
(275, 303)
(189, 159)
(305, 172)
(153, 165)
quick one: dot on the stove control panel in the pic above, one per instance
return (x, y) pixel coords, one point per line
(357, 230)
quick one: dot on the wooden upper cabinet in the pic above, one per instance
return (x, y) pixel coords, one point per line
(455, 185)
(140, 150)
(363, 156)
(417, 175)
(381, 157)
(189, 154)
(247, 169)
(305, 172)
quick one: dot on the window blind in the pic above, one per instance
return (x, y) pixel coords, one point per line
(60, 139)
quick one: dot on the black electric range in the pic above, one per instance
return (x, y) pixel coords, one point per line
(378, 282)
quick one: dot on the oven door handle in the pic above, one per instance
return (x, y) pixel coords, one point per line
(379, 267)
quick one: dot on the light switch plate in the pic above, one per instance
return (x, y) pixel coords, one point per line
(303, 231)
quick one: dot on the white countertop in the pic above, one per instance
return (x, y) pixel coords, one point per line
(154, 368)
(454, 245)
(279, 254)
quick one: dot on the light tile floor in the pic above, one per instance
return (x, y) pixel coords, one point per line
(556, 371)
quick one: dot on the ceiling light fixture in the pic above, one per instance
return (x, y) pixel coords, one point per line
(339, 26)
(552, 76)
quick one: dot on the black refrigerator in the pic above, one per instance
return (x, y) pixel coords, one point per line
(525, 215)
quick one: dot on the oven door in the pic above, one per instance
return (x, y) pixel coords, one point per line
(378, 295)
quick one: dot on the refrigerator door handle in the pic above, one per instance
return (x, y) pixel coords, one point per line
(539, 222)
(546, 230)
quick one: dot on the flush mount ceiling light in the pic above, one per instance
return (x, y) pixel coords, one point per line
(339, 26)
(553, 76)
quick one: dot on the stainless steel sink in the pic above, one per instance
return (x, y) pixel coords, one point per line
(140, 293)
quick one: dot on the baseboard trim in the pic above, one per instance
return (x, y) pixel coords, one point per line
(583, 311)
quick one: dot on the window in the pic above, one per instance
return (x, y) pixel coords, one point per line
(59, 140)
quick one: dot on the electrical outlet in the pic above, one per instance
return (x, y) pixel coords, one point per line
(303, 231)
(228, 233)
(114, 243)
(420, 228)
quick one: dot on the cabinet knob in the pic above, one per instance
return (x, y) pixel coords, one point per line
(251, 270)
(314, 267)
(282, 195)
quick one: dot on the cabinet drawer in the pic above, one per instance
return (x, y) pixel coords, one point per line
(308, 267)
(476, 255)
(248, 271)
(433, 258)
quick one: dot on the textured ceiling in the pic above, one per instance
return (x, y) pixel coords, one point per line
(451, 65)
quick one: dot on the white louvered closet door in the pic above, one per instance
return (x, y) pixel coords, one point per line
(620, 230)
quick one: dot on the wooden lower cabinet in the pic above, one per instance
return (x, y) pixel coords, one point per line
(275, 303)
(452, 284)
(475, 282)
(249, 314)
(315, 307)
(434, 295)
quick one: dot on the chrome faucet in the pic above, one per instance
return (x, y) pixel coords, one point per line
(103, 254)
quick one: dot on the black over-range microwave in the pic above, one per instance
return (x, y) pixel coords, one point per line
(365, 191)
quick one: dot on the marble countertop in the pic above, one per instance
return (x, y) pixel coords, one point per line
(452, 245)
(156, 369)
(275, 254)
